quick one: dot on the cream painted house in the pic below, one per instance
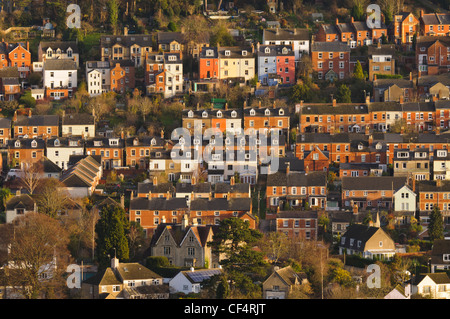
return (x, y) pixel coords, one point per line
(237, 64)
(433, 285)
(60, 149)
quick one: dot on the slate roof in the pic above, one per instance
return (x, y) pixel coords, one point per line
(167, 37)
(297, 214)
(162, 204)
(289, 276)
(143, 40)
(64, 142)
(62, 45)
(135, 271)
(178, 234)
(383, 49)
(224, 204)
(20, 201)
(435, 18)
(286, 34)
(37, 120)
(440, 247)
(57, 64)
(197, 188)
(373, 183)
(78, 119)
(25, 143)
(5, 123)
(324, 109)
(431, 186)
(223, 188)
(235, 52)
(335, 46)
(145, 188)
(9, 72)
(297, 179)
(358, 232)
(385, 83)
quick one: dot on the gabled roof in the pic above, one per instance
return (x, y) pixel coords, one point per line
(145, 188)
(135, 271)
(62, 45)
(200, 275)
(160, 204)
(57, 64)
(358, 232)
(20, 201)
(297, 179)
(78, 119)
(335, 46)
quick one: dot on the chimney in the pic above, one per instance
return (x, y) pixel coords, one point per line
(163, 219)
(114, 263)
(274, 105)
(277, 32)
(29, 112)
(410, 76)
(232, 181)
(168, 195)
(374, 77)
(162, 133)
(155, 180)
(122, 201)
(122, 135)
(125, 31)
(370, 139)
(288, 167)
(245, 104)
(353, 20)
(379, 44)
(15, 116)
(377, 221)
(278, 209)
(259, 104)
(193, 180)
(401, 99)
(421, 13)
(367, 99)
(226, 106)
(184, 222)
(210, 196)
(438, 183)
(438, 130)
(337, 21)
(198, 106)
(413, 184)
(355, 209)
(28, 46)
(334, 102)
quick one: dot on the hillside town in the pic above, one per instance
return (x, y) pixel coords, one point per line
(276, 149)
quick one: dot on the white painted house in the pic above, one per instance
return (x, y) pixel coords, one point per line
(60, 149)
(98, 77)
(299, 39)
(60, 78)
(78, 124)
(405, 200)
(174, 80)
(190, 281)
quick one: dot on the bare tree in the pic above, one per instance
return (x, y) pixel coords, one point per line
(52, 197)
(31, 176)
(37, 256)
(275, 245)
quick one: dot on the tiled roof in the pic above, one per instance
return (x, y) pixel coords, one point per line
(373, 183)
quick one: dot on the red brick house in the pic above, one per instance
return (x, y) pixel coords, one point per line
(298, 224)
(330, 60)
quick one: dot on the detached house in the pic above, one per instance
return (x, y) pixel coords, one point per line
(403, 28)
(432, 54)
(433, 285)
(18, 206)
(440, 255)
(60, 78)
(184, 245)
(282, 282)
(125, 281)
(367, 241)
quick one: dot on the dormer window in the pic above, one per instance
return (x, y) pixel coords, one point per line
(172, 58)
(233, 114)
(135, 141)
(281, 112)
(191, 114)
(285, 50)
(57, 143)
(219, 114)
(252, 112)
(227, 52)
(378, 146)
(244, 53)
(17, 144)
(153, 141)
(267, 50)
(33, 144)
(266, 112)
(205, 114)
(73, 143)
(113, 142)
(97, 143)
(360, 146)
(209, 52)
